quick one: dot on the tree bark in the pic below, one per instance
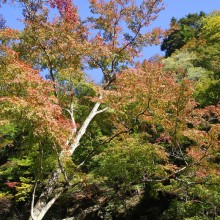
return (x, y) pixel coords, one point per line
(51, 193)
(43, 204)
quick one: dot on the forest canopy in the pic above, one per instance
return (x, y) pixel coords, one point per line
(142, 144)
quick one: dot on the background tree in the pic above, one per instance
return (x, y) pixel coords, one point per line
(198, 59)
(194, 61)
(182, 31)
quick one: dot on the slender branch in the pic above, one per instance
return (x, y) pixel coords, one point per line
(139, 28)
(184, 181)
(32, 202)
(49, 65)
(136, 35)
(131, 41)
(145, 110)
(70, 111)
(84, 126)
(166, 178)
(99, 65)
(109, 82)
(113, 41)
(102, 110)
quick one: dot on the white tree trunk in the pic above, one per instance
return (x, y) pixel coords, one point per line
(51, 194)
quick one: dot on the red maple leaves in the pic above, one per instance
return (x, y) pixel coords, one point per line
(11, 184)
(66, 9)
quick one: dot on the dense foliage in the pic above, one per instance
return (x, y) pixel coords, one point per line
(199, 60)
(142, 144)
(182, 31)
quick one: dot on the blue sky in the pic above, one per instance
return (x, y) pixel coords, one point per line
(174, 8)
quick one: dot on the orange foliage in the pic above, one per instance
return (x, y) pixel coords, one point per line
(31, 97)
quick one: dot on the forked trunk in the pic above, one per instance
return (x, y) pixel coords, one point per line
(43, 204)
(51, 193)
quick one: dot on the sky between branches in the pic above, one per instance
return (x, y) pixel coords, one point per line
(174, 8)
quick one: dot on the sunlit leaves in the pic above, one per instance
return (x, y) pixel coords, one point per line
(121, 27)
(131, 161)
(152, 130)
(26, 96)
(67, 9)
(148, 93)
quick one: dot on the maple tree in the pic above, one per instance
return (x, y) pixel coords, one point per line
(61, 45)
(195, 62)
(70, 136)
(164, 139)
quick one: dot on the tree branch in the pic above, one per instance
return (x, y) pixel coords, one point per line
(102, 110)
(32, 202)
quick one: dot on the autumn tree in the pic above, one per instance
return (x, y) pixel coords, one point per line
(32, 125)
(140, 127)
(165, 143)
(63, 47)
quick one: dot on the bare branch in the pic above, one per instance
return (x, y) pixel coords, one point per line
(83, 128)
(102, 110)
(32, 202)
(166, 178)
(71, 112)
